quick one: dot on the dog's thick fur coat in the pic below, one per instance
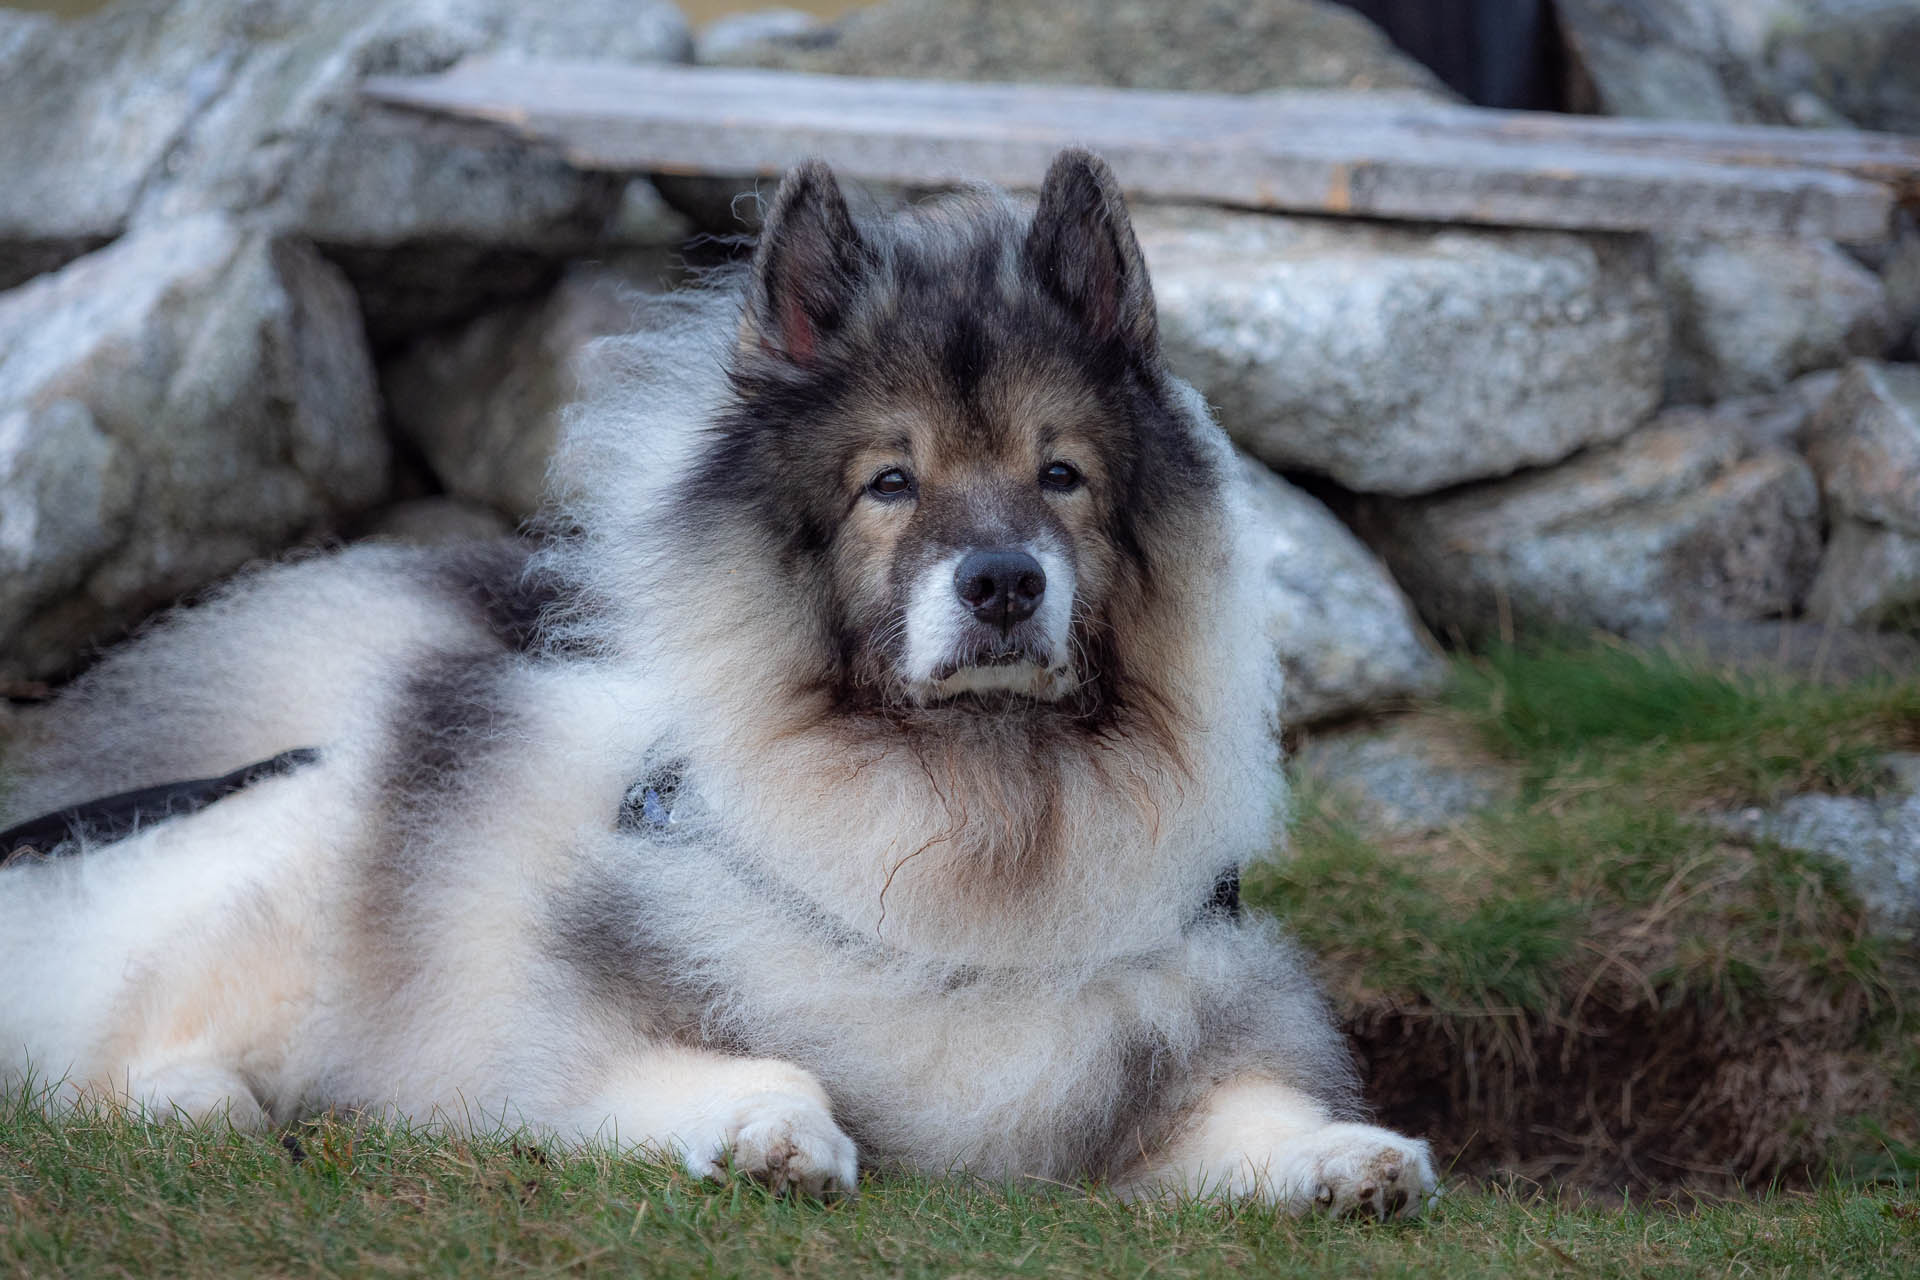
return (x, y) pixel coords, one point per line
(747, 817)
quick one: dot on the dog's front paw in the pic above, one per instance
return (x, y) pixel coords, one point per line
(787, 1141)
(1353, 1169)
(1266, 1141)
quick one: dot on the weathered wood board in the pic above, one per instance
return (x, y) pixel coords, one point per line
(1334, 153)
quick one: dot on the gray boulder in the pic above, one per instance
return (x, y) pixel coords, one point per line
(1750, 315)
(1877, 839)
(1667, 59)
(1865, 448)
(1865, 445)
(1812, 63)
(1342, 630)
(55, 206)
(1227, 48)
(1859, 57)
(482, 402)
(1142, 44)
(1869, 575)
(1900, 275)
(1685, 521)
(1403, 360)
(1408, 778)
(171, 406)
(164, 108)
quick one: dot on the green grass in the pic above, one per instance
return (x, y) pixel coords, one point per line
(106, 1196)
(1669, 730)
(1623, 753)
(1510, 912)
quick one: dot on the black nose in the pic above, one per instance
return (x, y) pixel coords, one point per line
(1002, 587)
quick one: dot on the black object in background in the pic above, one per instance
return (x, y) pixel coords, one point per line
(1494, 53)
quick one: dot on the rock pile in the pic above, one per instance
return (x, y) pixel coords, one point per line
(243, 308)
(202, 390)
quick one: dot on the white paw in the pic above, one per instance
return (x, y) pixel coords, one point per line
(1353, 1169)
(788, 1141)
(197, 1093)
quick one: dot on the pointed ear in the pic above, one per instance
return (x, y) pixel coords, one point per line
(807, 269)
(1081, 247)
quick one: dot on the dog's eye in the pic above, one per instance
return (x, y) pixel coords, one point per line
(1061, 476)
(891, 483)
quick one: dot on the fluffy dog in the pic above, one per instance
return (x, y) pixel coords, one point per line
(859, 770)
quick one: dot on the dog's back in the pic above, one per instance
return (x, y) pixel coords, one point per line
(288, 657)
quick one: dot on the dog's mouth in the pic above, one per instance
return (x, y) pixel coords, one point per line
(997, 684)
(1016, 669)
(1006, 656)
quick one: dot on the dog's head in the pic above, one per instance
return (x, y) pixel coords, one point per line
(954, 439)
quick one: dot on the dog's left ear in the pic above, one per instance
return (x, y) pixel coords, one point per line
(807, 269)
(1081, 247)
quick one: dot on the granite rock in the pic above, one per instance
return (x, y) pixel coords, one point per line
(1223, 47)
(171, 406)
(1683, 522)
(1408, 778)
(735, 35)
(1403, 360)
(1861, 58)
(1877, 840)
(1750, 315)
(482, 402)
(1705, 60)
(1865, 447)
(158, 109)
(1343, 631)
(1209, 45)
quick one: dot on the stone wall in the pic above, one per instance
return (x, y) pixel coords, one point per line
(242, 310)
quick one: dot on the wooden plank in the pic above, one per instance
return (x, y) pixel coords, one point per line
(1335, 153)
(1888, 158)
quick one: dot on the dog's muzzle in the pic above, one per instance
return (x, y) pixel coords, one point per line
(991, 620)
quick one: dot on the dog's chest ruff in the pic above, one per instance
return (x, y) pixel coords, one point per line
(664, 795)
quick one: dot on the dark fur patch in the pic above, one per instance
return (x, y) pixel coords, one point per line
(445, 725)
(1225, 901)
(450, 711)
(635, 979)
(969, 351)
(512, 597)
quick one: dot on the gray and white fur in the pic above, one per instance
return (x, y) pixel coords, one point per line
(842, 780)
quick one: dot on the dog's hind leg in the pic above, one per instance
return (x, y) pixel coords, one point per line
(715, 1114)
(1260, 1138)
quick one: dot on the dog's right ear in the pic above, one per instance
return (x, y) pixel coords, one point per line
(807, 269)
(1081, 247)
